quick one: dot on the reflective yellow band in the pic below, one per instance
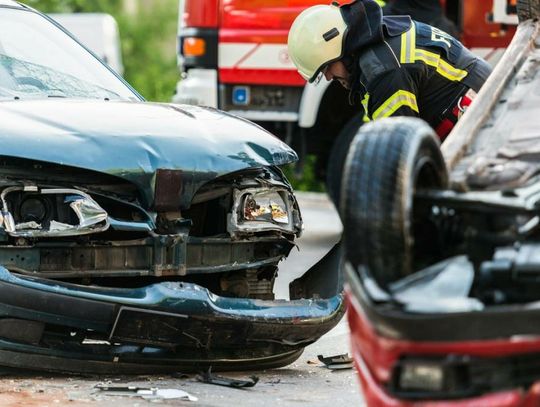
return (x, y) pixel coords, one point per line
(409, 54)
(427, 57)
(394, 102)
(381, 3)
(365, 103)
(443, 68)
(408, 45)
(450, 72)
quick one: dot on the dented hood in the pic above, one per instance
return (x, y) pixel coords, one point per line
(132, 140)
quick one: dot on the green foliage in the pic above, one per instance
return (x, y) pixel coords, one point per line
(149, 49)
(75, 6)
(304, 179)
(148, 40)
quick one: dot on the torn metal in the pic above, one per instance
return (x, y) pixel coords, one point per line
(211, 378)
(337, 362)
(91, 217)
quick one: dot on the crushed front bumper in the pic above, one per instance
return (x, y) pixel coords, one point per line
(163, 327)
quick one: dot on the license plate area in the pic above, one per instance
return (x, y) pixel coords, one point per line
(261, 98)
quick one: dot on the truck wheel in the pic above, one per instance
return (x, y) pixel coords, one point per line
(388, 160)
(528, 9)
(336, 159)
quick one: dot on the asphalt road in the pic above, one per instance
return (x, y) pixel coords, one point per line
(304, 383)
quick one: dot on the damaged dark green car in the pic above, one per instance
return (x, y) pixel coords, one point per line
(140, 237)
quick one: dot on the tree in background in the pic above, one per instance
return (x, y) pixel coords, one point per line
(148, 37)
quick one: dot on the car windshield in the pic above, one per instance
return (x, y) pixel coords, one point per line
(38, 60)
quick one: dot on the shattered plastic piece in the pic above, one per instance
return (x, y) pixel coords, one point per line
(500, 173)
(442, 287)
(28, 225)
(92, 218)
(337, 362)
(9, 222)
(88, 212)
(278, 213)
(145, 392)
(208, 377)
(56, 226)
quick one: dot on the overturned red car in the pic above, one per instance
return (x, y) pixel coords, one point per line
(443, 247)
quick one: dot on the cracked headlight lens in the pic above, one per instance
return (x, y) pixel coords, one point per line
(264, 207)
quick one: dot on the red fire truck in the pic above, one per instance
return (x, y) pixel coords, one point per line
(233, 56)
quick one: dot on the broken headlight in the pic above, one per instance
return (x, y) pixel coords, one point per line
(261, 209)
(265, 207)
(29, 211)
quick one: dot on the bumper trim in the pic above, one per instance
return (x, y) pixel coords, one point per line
(115, 365)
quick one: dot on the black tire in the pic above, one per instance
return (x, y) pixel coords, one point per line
(528, 9)
(338, 154)
(388, 160)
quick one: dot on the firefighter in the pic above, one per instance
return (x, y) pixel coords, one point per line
(399, 67)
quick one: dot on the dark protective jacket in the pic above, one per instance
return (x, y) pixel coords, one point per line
(425, 11)
(407, 68)
(421, 10)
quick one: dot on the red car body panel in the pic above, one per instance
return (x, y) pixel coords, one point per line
(375, 356)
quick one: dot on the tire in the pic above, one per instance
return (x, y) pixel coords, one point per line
(388, 160)
(338, 154)
(528, 9)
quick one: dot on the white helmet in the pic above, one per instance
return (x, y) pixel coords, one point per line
(316, 38)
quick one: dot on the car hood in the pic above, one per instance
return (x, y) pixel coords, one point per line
(132, 140)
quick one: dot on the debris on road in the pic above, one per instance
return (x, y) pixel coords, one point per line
(145, 392)
(337, 362)
(208, 377)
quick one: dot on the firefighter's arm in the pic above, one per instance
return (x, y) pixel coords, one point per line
(391, 94)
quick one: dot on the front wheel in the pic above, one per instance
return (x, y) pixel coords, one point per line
(388, 161)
